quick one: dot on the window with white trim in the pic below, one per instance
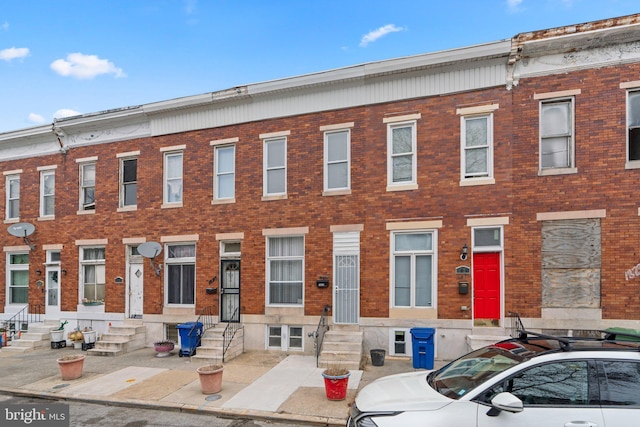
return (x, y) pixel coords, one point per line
(18, 277)
(477, 146)
(173, 176)
(401, 149)
(275, 166)
(224, 172)
(92, 269)
(87, 186)
(400, 342)
(284, 337)
(413, 271)
(128, 182)
(633, 125)
(557, 134)
(13, 196)
(47, 193)
(337, 175)
(285, 270)
(180, 276)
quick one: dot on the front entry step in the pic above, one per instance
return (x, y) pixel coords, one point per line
(125, 338)
(342, 348)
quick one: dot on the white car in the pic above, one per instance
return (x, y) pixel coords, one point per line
(534, 380)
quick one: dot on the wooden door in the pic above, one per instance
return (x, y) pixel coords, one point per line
(486, 287)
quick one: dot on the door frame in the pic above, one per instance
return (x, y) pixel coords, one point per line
(499, 249)
(236, 290)
(133, 259)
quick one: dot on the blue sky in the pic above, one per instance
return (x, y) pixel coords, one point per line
(69, 57)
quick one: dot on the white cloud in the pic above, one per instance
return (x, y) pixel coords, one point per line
(84, 66)
(5, 26)
(380, 32)
(65, 112)
(514, 5)
(13, 53)
(35, 118)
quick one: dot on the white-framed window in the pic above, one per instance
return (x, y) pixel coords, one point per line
(337, 160)
(400, 342)
(477, 146)
(413, 269)
(88, 186)
(285, 270)
(92, 270)
(487, 239)
(47, 193)
(224, 172)
(275, 166)
(401, 149)
(557, 142)
(230, 249)
(128, 182)
(180, 275)
(633, 126)
(284, 337)
(173, 176)
(13, 196)
(18, 277)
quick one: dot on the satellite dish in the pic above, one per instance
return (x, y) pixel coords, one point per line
(150, 249)
(21, 229)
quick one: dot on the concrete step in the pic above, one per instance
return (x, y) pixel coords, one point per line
(474, 342)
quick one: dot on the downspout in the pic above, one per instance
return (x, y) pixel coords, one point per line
(514, 57)
(59, 133)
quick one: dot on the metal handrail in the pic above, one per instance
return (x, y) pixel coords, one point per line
(517, 328)
(318, 335)
(28, 314)
(206, 318)
(229, 333)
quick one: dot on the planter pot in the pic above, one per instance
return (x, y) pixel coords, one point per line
(210, 378)
(71, 366)
(89, 337)
(377, 357)
(335, 386)
(77, 345)
(57, 336)
(163, 349)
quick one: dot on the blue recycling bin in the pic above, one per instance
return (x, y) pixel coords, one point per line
(422, 343)
(190, 335)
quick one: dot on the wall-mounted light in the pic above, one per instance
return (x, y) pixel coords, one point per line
(38, 272)
(464, 252)
(64, 271)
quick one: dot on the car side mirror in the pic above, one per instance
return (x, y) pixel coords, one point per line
(505, 402)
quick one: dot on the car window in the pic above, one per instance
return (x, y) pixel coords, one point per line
(620, 383)
(558, 383)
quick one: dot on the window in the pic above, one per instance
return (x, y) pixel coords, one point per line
(556, 134)
(128, 182)
(47, 193)
(284, 337)
(477, 146)
(13, 196)
(173, 178)
(180, 263)
(336, 158)
(633, 124)
(18, 277)
(413, 269)
(87, 186)
(285, 268)
(400, 342)
(225, 172)
(619, 383)
(275, 166)
(93, 274)
(401, 146)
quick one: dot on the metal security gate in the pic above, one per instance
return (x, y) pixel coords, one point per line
(230, 291)
(346, 273)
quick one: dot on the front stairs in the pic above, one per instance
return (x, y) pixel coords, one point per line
(38, 336)
(342, 348)
(129, 336)
(212, 345)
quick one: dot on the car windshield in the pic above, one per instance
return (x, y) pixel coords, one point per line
(468, 372)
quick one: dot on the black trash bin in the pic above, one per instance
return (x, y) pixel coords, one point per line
(190, 335)
(377, 357)
(422, 343)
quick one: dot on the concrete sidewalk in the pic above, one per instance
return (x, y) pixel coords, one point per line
(264, 385)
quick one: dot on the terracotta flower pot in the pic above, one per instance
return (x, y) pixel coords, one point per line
(210, 378)
(71, 366)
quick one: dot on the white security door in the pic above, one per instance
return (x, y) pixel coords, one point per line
(346, 277)
(135, 282)
(52, 286)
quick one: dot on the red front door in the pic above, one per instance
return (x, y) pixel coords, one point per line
(486, 287)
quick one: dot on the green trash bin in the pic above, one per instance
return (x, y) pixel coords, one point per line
(623, 334)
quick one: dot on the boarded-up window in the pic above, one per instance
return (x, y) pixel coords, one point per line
(571, 260)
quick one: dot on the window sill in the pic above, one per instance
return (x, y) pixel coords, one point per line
(128, 208)
(171, 205)
(469, 182)
(633, 164)
(274, 197)
(336, 193)
(223, 201)
(402, 187)
(557, 171)
(91, 212)
(46, 218)
(12, 220)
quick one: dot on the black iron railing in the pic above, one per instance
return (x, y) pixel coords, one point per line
(229, 333)
(318, 335)
(19, 322)
(516, 328)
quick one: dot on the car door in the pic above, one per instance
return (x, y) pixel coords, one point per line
(554, 394)
(620, 391)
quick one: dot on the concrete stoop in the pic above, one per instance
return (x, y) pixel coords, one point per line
(341, 348)
(38, 336)
(120, 339)
(212, 343)
(481, 337)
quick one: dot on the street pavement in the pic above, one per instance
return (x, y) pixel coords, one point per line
(264, 385)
